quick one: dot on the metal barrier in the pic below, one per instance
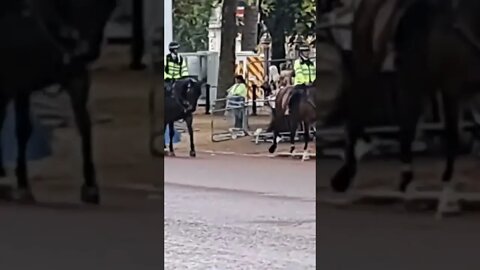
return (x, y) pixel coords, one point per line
(233, 108)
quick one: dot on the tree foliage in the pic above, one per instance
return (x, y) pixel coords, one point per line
(190, 23)
(191, 17)
(299, 15)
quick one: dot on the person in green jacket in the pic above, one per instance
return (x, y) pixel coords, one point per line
(238, 93)
(175, 69)
(304, 72)
(304, 68)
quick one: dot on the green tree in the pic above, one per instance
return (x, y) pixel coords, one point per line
(287, 17)
(190, 23)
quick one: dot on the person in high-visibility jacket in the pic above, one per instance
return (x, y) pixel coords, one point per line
(304, 72)
(238, 93)
(304, 68)
(175, 69)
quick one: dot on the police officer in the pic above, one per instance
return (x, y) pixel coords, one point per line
(175, 68)
(304, 68)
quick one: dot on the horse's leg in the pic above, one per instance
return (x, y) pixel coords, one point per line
(171, 134)
(189, 122)
(407, 135)
(23, 131)
(3, 114)
(293, 124)
(344, 176)
(275, 127)
(78, 88)
(452, 115)
(410, 108)
(306, 135)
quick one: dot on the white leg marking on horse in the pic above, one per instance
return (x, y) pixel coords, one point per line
(362, 148)
(448, 203)
(306, 155)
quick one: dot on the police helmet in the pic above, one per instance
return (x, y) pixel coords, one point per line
(304, 48)
(173, 45)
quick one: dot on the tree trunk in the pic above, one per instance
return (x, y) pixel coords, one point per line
(227, 50)
(250, 28)
(276, 27)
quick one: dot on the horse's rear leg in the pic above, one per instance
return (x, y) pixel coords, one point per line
(189, 122)
(343, 178)
(78, 89)
(23, 132)
(452, 112)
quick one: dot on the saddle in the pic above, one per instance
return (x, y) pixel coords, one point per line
(287, 96)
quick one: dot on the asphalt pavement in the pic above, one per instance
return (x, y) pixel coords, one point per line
(226, 212)
(61, 233)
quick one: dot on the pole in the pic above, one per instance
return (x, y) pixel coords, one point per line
(254, 100)
(207, 99)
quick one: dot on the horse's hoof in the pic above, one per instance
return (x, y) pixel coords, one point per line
(171, 154)
(90, 195)
(193, 154)
(24, 196)
(272, 149)
(342, 179)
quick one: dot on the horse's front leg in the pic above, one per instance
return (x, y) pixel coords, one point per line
(189, 122)
(344, 176)
(3, 114)
(23, 132)
(306, 135)
(293, 131)
(275, 127)
(78, 88)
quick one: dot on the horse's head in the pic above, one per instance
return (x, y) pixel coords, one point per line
(89, 18)
(189, 89)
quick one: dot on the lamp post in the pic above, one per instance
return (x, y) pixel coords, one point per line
(266, 41)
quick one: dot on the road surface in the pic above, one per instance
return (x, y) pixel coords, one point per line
(224, 212)
(234, 213)
(60, 233)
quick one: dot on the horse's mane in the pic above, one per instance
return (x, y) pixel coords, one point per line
(182, 85)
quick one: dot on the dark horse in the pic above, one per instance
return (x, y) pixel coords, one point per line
(188, 89)
(49, 42)
(438, 50)
(302, 111)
